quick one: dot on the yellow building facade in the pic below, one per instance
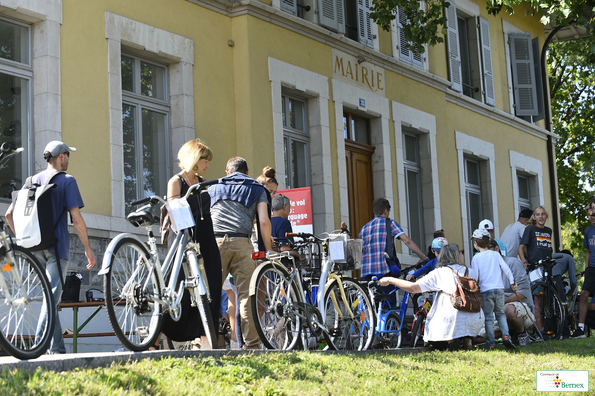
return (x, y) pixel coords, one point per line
(312, 88)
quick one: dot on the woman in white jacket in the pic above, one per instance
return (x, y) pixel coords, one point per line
(446, 327)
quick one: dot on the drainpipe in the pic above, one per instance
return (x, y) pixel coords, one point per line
(550, 149)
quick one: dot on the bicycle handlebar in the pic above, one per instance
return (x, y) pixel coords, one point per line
(194, 189)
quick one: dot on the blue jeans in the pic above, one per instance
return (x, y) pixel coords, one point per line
(492, 303)
(48, 260)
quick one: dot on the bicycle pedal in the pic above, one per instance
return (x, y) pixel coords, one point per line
(334, 332)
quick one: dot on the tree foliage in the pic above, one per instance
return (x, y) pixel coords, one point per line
(427, 25)
(572, 90)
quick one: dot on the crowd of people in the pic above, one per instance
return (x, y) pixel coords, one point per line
(240, 215)
(500, 267)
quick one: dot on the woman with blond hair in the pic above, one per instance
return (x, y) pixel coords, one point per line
(194, 157)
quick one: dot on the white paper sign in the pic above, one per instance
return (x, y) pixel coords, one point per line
(181, 214)
(337, 250)
(536, 275)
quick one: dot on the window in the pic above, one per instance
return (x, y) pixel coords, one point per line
(299, 8)
(296, 143)
(400, 49)
(15, 101)
(473, 193)
(356, 128)
(145, 120)
(348, 17)
(470, 55)
(524, 193)
(413, 188)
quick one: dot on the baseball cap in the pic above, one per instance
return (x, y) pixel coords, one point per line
(439, 243)
(526, 213)
(481, 233)
(486, 224)
(55, 148)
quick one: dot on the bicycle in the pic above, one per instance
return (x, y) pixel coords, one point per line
(26, 293)
(136, 294)
(287, 306)
(419, 320)
(390, 319)
(552, 310)
(572, 306)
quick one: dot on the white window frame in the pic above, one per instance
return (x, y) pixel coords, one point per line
(315, 88)
(524, 202)
(377, 109)
(291, 134)
(531, 168)
(415, 168)
(473, 189)
(469, 11)
(23, 71)
(162, 46)
(139, 101)
(406, 118)
(472, 147)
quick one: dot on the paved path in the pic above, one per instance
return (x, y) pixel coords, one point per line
(71, 361)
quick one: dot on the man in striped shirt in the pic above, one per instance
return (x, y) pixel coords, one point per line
(374, 235)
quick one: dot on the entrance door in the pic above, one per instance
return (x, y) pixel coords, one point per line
(359, 185)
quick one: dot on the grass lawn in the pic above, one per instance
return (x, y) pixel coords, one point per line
(300, 373)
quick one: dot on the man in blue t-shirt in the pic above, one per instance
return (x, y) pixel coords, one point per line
(589, 283)
(66, 198)
(280, 224)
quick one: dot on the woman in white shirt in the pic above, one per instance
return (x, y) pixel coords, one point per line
(446, 327)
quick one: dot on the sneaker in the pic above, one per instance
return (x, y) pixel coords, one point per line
(508, 342)
(578, 333)
(524, 339)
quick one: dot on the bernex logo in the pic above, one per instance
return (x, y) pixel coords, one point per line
(562, 381)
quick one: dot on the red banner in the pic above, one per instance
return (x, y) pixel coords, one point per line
(301, 209)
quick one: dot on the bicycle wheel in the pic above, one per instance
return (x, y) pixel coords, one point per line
(129, 289)
(274, 313)
(393, 325)
(552, 310)
(207, 321)
(26, 296)
(417, 330)
(346, 332)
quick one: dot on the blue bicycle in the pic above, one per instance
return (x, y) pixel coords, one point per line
(390, 318)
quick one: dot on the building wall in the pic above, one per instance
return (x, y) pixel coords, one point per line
(236, 72)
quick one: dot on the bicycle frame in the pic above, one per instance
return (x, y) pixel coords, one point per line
(384, 309)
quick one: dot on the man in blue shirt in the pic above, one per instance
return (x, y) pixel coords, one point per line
(66, 198)
(373, 234)
(281, 207)
(589, 283)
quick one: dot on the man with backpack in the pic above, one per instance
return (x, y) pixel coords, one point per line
(65, 198)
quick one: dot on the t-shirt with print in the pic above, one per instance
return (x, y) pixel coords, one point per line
(538, 242)
(589, 243)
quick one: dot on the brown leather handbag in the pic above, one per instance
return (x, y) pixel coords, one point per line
(466, 296)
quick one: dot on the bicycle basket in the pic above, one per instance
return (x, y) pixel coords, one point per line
(346, 253)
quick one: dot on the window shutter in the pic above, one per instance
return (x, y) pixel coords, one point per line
(404, 53)
(340, 16)
(327, 16)
(418, 60)
(364, 23)
(454, 55)
(523, 75)
(486, 57)
(289, 6)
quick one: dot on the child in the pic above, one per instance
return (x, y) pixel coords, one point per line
(489, 265)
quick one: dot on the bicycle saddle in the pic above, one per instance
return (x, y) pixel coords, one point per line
(141, 218)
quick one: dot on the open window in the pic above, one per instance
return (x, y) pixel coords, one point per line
(470, 55)
(524, 80)
(348, 17)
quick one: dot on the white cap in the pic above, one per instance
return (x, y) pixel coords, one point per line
(55, 148)
(481, 233)
(486, 224)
